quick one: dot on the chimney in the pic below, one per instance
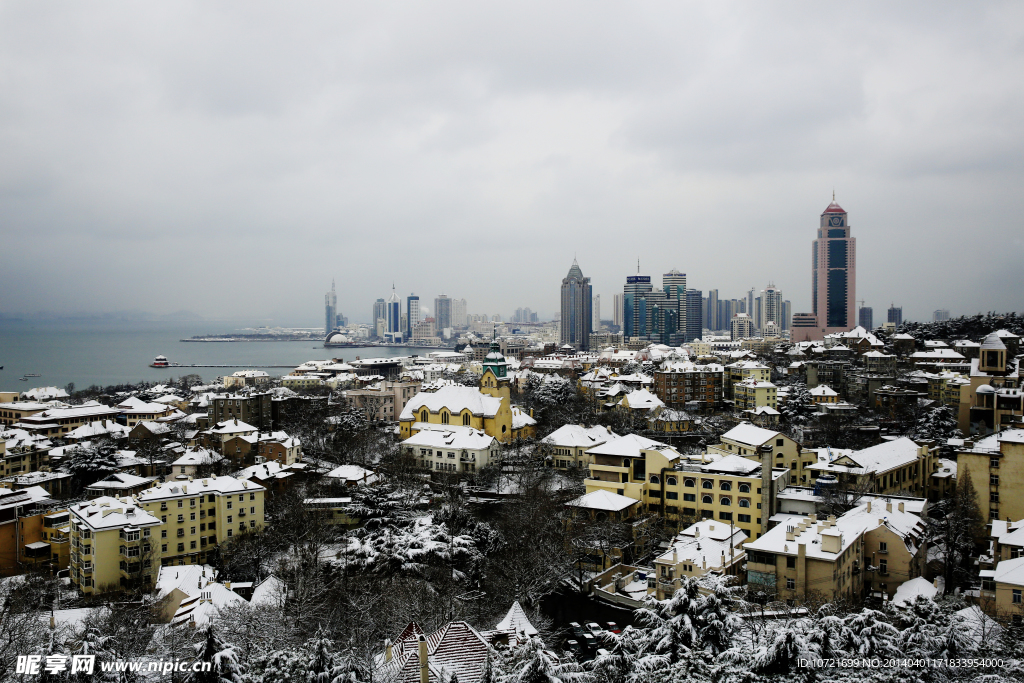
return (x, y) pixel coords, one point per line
(900, 506)
(675, 556)
(424, 669)
(696, 532)
(869, 506)
(888, 507)
(387, 650)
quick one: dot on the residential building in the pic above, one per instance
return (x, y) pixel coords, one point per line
(823, 393)
(456, 650)
(567, 446)
(1008, 580)
(113, 545)
(866, 317)
(771, 307)
(451, 449)
(59, 421)
(895, 315)
(995, 465)
(899, 466)
(831, 559)
(465, 406)
(744, 370)
(30, 531)
(706, 547)
(577, 316)
(595, 324)
(940, 315)
(993, 400)
(255, 408)
(617, 311)
(679, 383)
(751, 394)
(741, 326)
(750, 441)
(198, 515)
(393, 318)
(384, 400)
(13, 412)
(412, 314)
(278, 447)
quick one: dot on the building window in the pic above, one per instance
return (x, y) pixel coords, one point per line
(707, 484)
(707, 500)
(743, 518)
(883, 547)
(725, 486)
(725, 515)
(726, 500)
(689, 483)
(465, 419)
(993, 479)
(690, 497)
(671, 481)
(744, 502)
(744, 488)
(1016, 596)
(655, 479)
(790, 563)
(791, 584)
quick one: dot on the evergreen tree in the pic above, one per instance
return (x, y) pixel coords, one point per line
(224, 664)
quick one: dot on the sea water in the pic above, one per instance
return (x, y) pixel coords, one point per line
(118, 352)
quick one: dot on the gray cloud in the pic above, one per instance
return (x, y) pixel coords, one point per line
(475, 148)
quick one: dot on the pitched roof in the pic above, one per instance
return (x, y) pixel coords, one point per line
(1011, 572)
(603, 500)
(630, 446)
(517, 621)
(455, 399)
(749, 434)
(576, 436)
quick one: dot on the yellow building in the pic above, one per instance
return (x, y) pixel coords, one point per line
(870, 550)
(823, 393)
(995, 465)
(743, 370)
(707, 547)
(993, 399)
(468, 407)
(751, 393)
(301, 381)
(899, 466)
(731, 489)
(1009, 591)
(29, 533)
(197, 515)
(113, 545)
(567, 446)
(748, 440)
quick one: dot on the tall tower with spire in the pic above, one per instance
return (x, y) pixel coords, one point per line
(330, 310)
(576, 308)
(834, 275)
(393, 320)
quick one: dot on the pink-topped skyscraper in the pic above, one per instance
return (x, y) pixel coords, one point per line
(834, 279)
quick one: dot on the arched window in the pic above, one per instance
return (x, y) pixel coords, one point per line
(465, 419)
(744, 502)
(726, 486)
(707, 484)
(444, 417)
(690, 483)
(726, 500)
(654, 479)
(744, 488)
(504, 428)
(425, 415)
(706, 499)
(671, 481)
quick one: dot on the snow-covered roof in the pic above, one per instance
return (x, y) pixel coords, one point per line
(520, 418)
(1011, 572)
(271, 469)
(978, 625)
(31, 494)
(271, 591)
(212, 484)
(456, 648)
(750, 435)
(704, 544)
(188, 578)
(455, 399)
(233, 427)
(822, 390)
(908, 591)
(517, 621)
(732, 464)
(642, 399)
(462, 438)
(119, 481)
(106, 512)
(98, 428)
(603, 500)
(199, 456)
(631, 446)
(578, 436)
(879, 458)
(353, 473)
(44, 394)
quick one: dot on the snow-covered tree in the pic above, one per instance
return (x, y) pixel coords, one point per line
(225, 666)
(89, 464)
(871, 635)
(938, 424)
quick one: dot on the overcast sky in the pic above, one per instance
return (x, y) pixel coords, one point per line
(232, 158)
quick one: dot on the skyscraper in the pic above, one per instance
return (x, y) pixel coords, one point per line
(694, 314)
(458, 313)
(771, 307)
(576, 308)
(330, 310)
(940, 314)
(617, 311)
(896, 314)
(443, 312)
(834, 277)
(380, 313)
(596, 324)
(634, 305)
(393, 313)
(712, 312)
(866, 318)
(787, 314)
(412, 312)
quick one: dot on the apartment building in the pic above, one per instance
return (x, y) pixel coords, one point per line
(995, 465)
(279, 447)
(29, 534)
(567, 446)
(749, 441)
(198, 515)
(869, 551)
(743, 370)
(252, 408)
(451, 449)
(680, 382)
(60, 421)
(383, 401)
(707, 547)
(751, 394)
(16, 411)
(113, 545)
(22, 452)
(898, 466)
(732, 489)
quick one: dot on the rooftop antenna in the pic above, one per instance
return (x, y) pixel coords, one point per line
(638, 266)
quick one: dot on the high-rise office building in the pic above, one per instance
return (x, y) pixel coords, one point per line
(771, 307)
(380, 313)
(940, 314)
(712, 312)
(458, 313)
(596, 323)
(834, 278)
(442, 312)
(617, 311)
(577, 298)
(412, 313)
(866, 318)
(787, 314)
(896, 315)
(330, 310)
(694, 314)
(634, 305)
(393, 313)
